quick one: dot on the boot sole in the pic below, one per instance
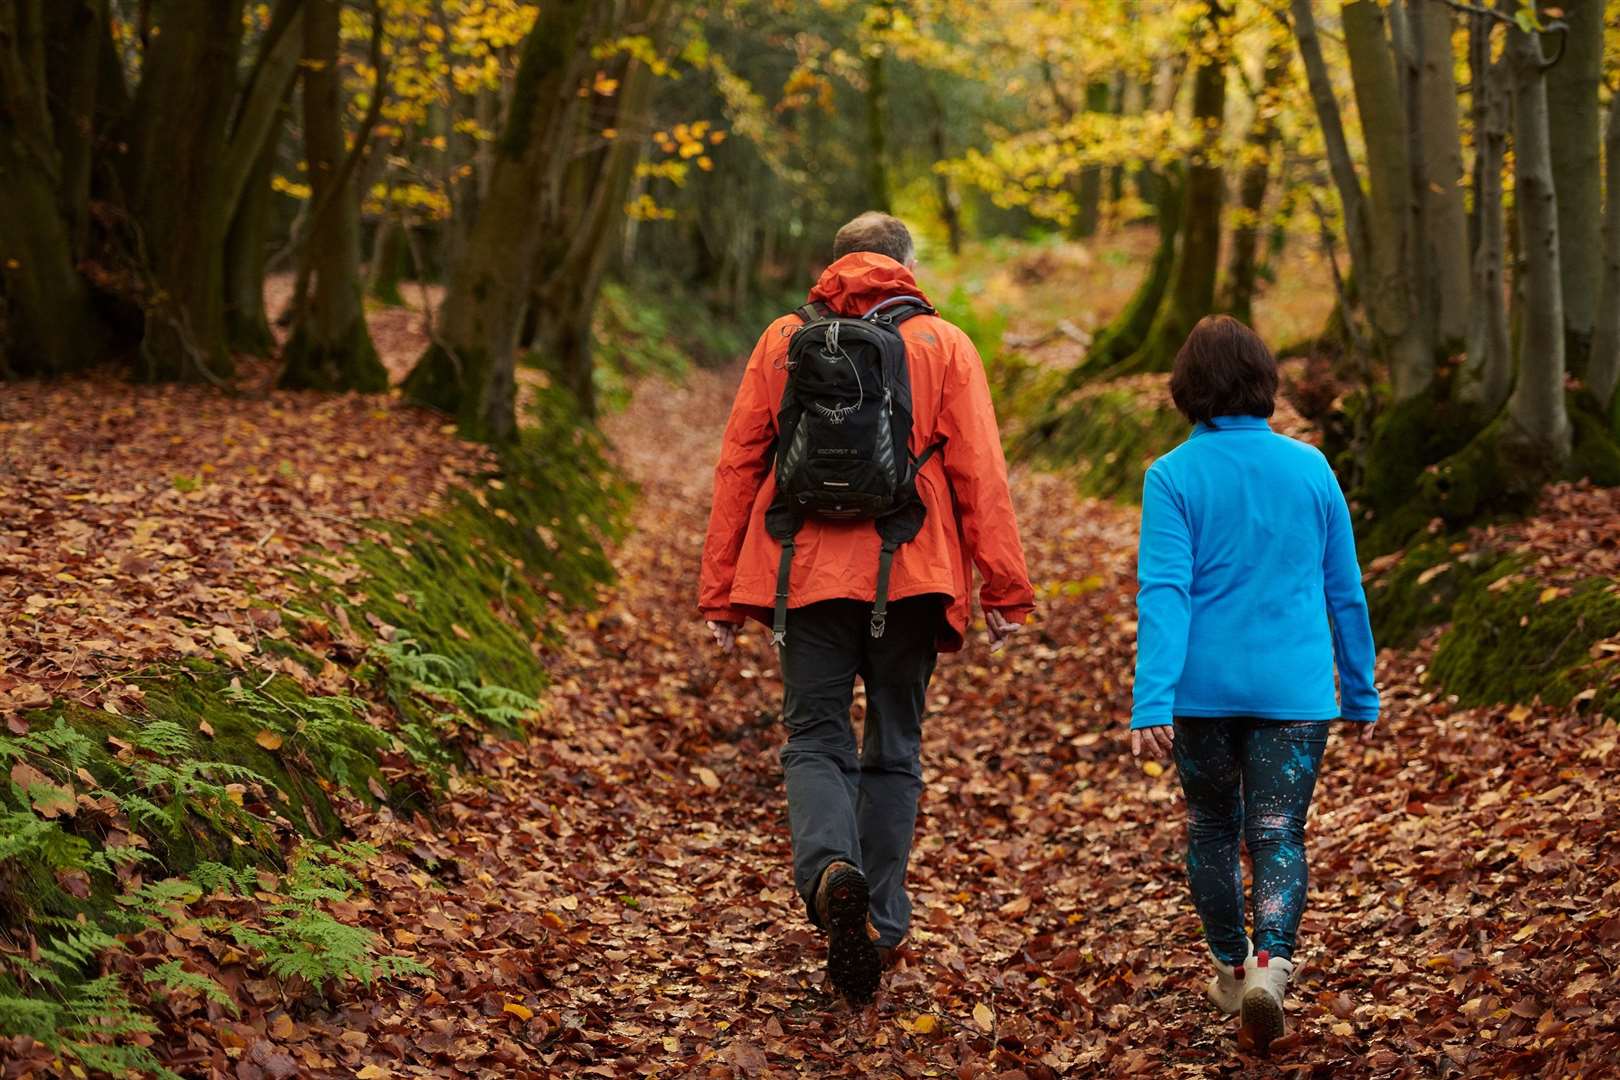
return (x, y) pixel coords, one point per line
(853, 965)
(1263, 1016)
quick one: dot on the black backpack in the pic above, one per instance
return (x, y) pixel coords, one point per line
(843, 438)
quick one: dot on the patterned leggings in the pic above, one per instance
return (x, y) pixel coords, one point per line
(1254, 779)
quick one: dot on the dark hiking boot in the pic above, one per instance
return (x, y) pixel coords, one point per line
(853, 964)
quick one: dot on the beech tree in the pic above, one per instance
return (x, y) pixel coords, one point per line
(468, 371)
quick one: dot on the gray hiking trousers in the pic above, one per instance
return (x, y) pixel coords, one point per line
(858, 807)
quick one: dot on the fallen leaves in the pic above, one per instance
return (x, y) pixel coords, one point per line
(150, 523)
(268, 739)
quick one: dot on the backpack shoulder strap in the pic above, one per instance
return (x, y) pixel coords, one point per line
(897, 309)
(814, 311)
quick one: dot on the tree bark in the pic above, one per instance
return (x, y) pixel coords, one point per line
(1351, 196)
(570, 269)
(1125, 333)
(1389, 288)
(176, 184)
(468, 371)
(331, 347)
(1191, 292)
(1089, 184)
(247, 250)
(950, 204)
(1445, 218)
(1603, 372)
(1243, 261)
(878, 194)
(389, 251)
(1536, 405)
(74, 34)
(260, 115)
(1487, 372)
(1576, 136)
(47, 325)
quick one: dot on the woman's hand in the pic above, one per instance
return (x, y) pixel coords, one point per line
(1158, 741)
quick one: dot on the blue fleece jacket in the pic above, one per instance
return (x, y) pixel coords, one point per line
(1249, 586)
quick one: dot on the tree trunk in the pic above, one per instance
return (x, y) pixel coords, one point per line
(1576, 135)
(247, 249)
(950, 209)
(878, 194)
(1191, 292)
(1243, 261)
(1603, 372)
(331, 346)
(47, 325)
(1088, 186)
(389, 251)
(468, 371)
(1487, 372)
(1536, 405)
(1351, 196)
(1445, 218)
(1389, 288)
(177, 194)
(1126, 332)
(74, 34)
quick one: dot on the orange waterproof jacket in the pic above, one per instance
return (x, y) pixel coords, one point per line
(964, 486)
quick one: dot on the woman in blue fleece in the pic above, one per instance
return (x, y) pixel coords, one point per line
(1250, 594)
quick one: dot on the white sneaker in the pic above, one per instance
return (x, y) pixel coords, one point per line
(1226, 986)
(1263, 999)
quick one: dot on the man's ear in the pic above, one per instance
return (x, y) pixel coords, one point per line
(911, 263)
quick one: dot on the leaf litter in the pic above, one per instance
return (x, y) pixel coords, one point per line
(612, 897)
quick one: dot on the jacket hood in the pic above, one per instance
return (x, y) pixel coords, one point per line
(861, 280)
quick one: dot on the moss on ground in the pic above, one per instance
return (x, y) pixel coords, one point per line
(1509, 644)
(1420, 591)
(1104, 438)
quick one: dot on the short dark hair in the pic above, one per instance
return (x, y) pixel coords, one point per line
(1224, 369)
(876, 231)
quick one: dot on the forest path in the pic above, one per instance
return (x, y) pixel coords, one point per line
(617, 900)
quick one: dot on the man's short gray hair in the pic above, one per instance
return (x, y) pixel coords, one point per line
(878, 232)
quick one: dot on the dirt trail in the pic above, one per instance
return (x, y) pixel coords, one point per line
(616, 900)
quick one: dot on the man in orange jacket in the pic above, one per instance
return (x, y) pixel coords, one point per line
(852, 815)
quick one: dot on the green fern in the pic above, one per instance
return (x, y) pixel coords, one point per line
(172, 976)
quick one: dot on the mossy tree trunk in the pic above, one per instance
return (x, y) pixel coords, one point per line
(1126, 332)
(1089, 184)
(1445, 219)
(1190, 292)
(1486, 376)
(468, 370)
(1603, 372)
(47, 325)
(1576, 141)
(389, 253)
(331, 347)
(1391, 295)
(175, 179)
(1537, 402)
(1243, 258)
(247, 324)
(579, 245)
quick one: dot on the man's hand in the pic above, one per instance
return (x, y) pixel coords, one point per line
(1000, 627)
(725, 635)
(1367, 731)
(1158, 741)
